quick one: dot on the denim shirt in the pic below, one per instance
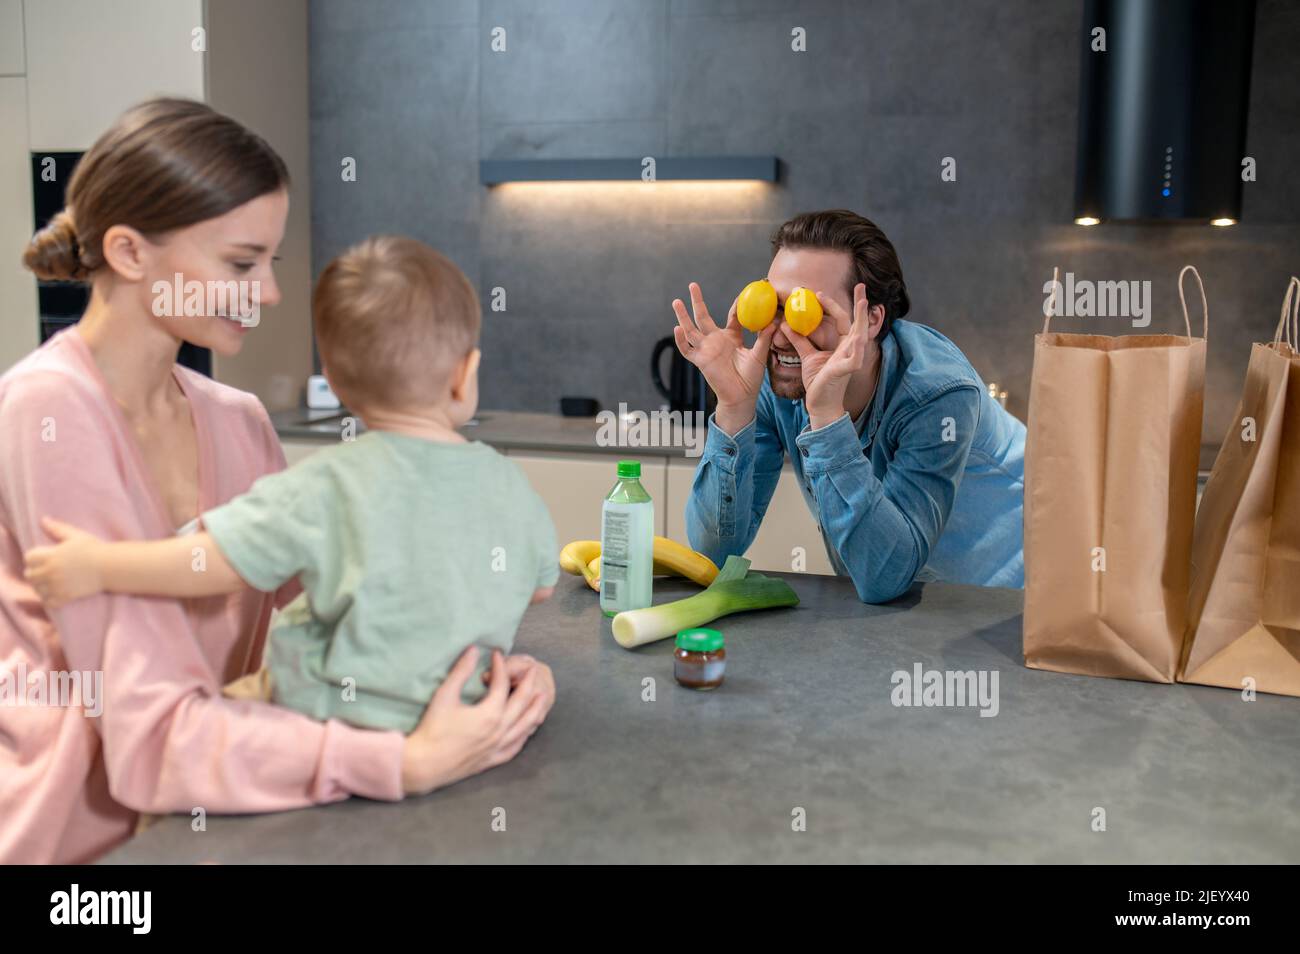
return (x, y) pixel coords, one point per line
(927, 484)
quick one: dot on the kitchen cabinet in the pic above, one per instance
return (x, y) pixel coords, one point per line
(295, 451)
(12, 61)
(19, 329)
(257, 73)
(88, 60)
(786, 525)
(573, 486)
(573, 483)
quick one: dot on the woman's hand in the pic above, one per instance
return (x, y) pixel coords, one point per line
(67, 570)
(733, 371)
(826, 374)
(518, 666)
(454, 740)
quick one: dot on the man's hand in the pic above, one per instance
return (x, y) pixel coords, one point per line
(68, 570)
(826, 374)
(733, 371)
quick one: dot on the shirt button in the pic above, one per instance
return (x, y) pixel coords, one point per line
(804, 450)
(726, 498)
(731, 451)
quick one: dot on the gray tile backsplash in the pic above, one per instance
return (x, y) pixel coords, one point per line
(887, 89)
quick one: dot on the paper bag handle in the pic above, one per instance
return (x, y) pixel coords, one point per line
(1290, 310)
(1051, 302)
(1205, 307)
(1187, 321)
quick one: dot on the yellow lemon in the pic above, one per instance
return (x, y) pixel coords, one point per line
(803, 312)
(756, 306)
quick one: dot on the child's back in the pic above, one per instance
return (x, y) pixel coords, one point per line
(409, 551)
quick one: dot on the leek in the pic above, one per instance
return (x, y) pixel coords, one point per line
(735, 590)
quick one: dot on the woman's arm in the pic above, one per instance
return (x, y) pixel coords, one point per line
(170, 741)
(80, 564)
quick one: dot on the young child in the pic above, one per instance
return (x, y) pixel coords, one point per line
(411, 543)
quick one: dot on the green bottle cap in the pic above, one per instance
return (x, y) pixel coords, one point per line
(629, 468)
(699, 640)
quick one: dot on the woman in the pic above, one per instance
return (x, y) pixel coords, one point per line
(101, 428)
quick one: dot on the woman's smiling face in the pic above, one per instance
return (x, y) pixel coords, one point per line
(232, 253)
(825, 271)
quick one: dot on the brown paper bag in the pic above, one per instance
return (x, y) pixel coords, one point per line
(1110, 494)
(1244, 614)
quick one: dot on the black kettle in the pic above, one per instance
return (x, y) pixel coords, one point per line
(686, 389)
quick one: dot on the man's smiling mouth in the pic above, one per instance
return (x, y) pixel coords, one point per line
(787, 360)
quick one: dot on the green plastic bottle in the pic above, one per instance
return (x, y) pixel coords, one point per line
(627, 543)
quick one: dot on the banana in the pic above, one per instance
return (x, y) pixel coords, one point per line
(670, 559)
(677, 560)
(575, 556)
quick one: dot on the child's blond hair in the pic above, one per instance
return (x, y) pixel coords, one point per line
(393, 318)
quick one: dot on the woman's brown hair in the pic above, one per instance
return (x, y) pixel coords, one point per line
(165, 164)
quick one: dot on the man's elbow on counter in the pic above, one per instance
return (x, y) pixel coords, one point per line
(882, 586)
(877, 591)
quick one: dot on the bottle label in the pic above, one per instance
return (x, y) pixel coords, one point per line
(626, 556)
(613, 549)
(613, 562)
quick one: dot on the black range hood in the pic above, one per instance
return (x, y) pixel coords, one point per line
(1162, 112)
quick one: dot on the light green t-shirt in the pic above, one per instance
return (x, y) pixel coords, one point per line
(409, 551)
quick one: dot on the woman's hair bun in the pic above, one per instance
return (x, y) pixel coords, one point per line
(54, 253)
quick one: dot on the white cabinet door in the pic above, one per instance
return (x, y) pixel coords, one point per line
(11, 39)
(573, 487)
(258, 74)
(788, 531)
(295, 451)
(19, 324)
(88, 60)
(679, 477)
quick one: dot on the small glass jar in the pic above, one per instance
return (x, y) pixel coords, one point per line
(700, 659)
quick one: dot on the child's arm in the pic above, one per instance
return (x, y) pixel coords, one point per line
(80, 564)
(541, 595)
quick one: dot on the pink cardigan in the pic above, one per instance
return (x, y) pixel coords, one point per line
(72, 784)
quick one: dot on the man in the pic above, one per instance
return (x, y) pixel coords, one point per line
(912, 470)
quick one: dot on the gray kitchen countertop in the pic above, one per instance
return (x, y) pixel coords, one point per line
(805, 722)
(519, 430)
(524, 430)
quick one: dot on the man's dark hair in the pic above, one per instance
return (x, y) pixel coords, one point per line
(875, 263)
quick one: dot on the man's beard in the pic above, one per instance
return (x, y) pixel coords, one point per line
(785, 382)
